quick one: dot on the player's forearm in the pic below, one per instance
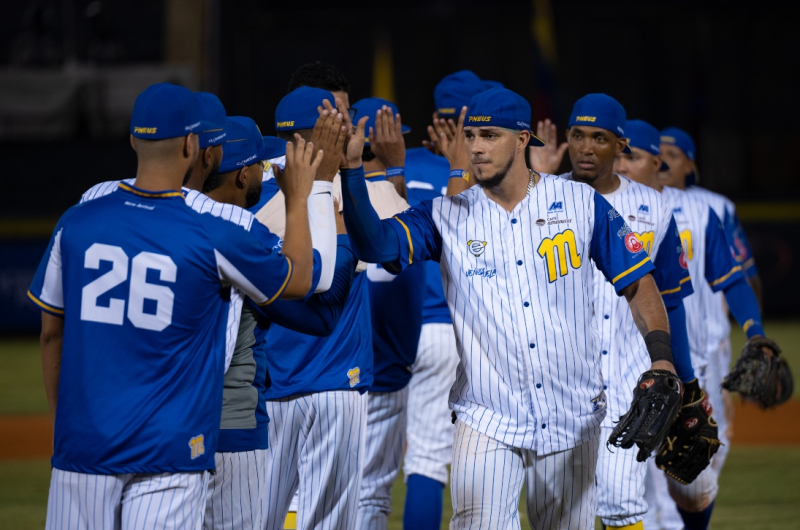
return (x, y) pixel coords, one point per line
(50, 342)
(461, 179)
(322, 225)
(399, 183)
(755, 284)
(679, 340)
(647, 306)
(297, 247)
(744, 307)
(372, 240)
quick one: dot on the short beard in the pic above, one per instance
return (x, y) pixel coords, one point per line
(253, 196)
(584, 179)
(498, 178)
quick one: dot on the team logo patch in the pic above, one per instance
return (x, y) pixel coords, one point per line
(354, 374)
(476, 247)
(677, 210)
(682, 260)
(633, 244)
(612, 214)
(631, 218)
(557, 206)
(540, 222)
(644, 209)
(690, 423)
(648, 383)
(197, 446)
(599, 403)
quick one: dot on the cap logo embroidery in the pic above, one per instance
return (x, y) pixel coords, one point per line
(285, 124)
(145, 130)
(246, 160)
(479, 118)
(447, 111)
(668, 139)
(192, 126)
(590, 119)
(524, 125)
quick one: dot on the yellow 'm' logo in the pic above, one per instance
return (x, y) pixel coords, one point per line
(355, 376)
(646, 239)
(145, 130)
(285, 124)
(554, 251)
(479, 118)
(686, 242)
(586, 118)
(197, 446)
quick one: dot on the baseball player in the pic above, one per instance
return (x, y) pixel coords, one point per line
(394, 339)
(528, 395)
(596, 125)
(150, 464)
(429, 431)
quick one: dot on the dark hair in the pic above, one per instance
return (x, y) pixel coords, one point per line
(318, 75)
(215, 181)
(367, 155)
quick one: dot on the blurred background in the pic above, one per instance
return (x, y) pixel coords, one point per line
(71, 69)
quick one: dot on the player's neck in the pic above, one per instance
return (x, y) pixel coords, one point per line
(513, 188)
(225, 195)
(196, 177)
(159, 176)
(605, 183)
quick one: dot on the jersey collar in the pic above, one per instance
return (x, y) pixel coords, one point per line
(129, 188)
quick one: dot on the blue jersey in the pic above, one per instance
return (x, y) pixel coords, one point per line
(427, 175)
(396, 306)
(341, 361)
(142, 283)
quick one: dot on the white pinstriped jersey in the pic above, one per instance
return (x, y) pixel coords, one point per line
(711, 267)
(202, 204)
(623, 352)
(529, 374)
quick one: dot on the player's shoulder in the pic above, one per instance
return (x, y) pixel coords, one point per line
(565, 181)
(102, 189)
(716, 200)
(203, 204)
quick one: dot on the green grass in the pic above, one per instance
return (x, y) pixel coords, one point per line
(759, 490)
(21, 387)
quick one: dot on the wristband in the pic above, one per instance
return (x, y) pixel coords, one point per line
(459, 173)
(399, 171)
(658, 346)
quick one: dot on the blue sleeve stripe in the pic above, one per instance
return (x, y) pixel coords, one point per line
(410, 244)
(678, 288)
(285, 283)
(45, 307)
(625, 273)
(718, 281)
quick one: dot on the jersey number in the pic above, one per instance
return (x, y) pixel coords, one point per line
(686, 241)
(646, 239)
(139, 291)
(555, 250)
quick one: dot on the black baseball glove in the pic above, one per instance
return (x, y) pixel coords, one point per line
(692, 440)
(655, 405)
(760, 378)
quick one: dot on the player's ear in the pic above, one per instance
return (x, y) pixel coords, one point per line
(133, 142)
(621, 143)
(241, 178)
(523, 138)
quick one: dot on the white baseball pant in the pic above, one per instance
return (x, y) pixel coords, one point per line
(237, 498)
(430, 429)
(316, 448)
(620, 484)
(131, 501)
(487, 476)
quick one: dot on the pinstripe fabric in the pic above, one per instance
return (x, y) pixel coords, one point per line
(79, 501)
(620, 484)
(237, 497)
(487, 481)
(430, 431)
(385, 441)
(662, 514)
(316, 445)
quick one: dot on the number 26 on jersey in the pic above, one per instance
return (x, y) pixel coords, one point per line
(159, 299)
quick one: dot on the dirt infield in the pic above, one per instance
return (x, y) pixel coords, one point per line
(30, 436)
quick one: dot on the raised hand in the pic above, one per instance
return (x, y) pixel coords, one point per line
(302, 163)
(386, 139)
(547, 159)
(440, 126)
(453, 146)
(329, 135)
(354, 145)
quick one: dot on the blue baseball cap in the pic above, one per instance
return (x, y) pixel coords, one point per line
(214, 113)
(644, 136)
(273, 147)
(680, 138)
(164, 111)
(242, 145)
(487, 84)
(600, 110)
(369, 107)
(455, 91)
(298, 109)
(500, 107)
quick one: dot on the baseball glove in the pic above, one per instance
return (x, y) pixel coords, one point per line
(655, 405)
(760, 378)
(692, 440)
